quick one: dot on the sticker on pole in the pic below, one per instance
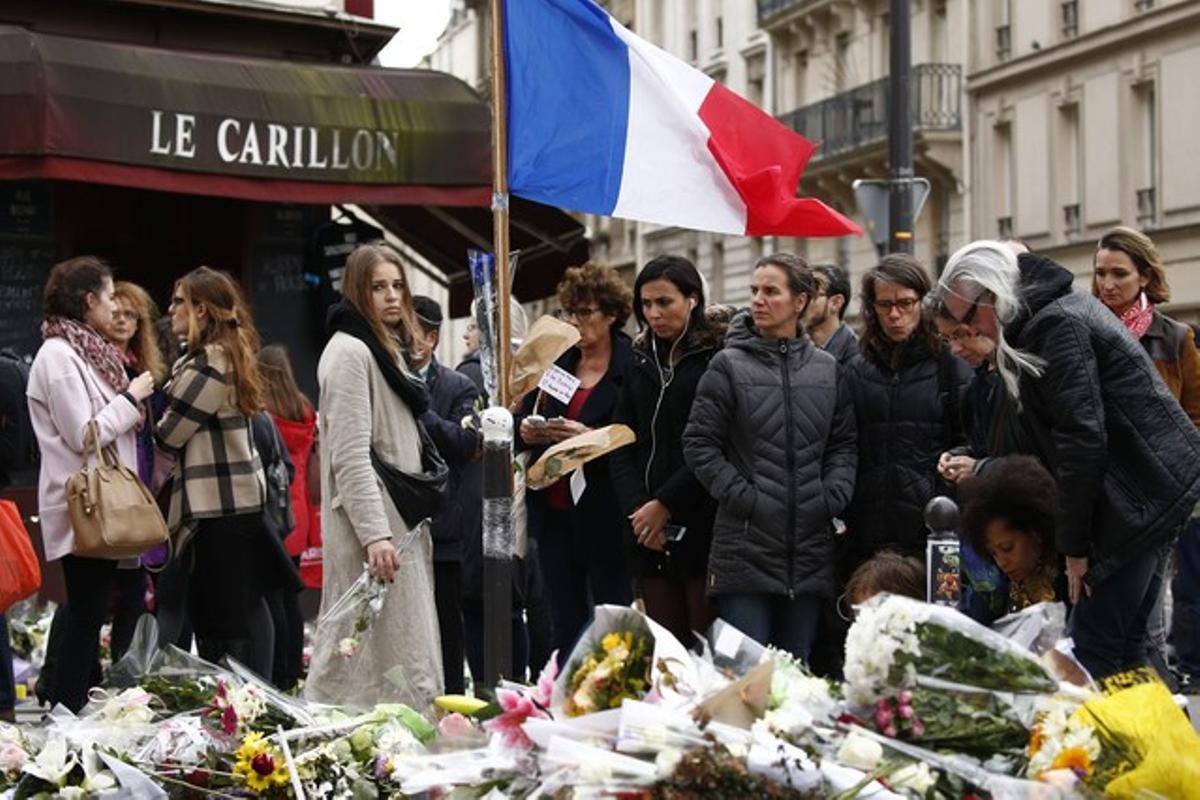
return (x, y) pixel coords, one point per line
(559, 384)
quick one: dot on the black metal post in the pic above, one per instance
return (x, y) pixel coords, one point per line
(900, 140)
(497, 546)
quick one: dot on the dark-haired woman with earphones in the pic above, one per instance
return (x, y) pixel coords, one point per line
(670, 514)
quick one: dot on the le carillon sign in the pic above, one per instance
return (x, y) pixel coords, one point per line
(82, 109)
(271, 148)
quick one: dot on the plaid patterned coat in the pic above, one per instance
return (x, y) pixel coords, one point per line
(217, 470)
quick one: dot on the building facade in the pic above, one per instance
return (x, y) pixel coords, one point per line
(1047, 120)
(821, 67)
(1084, 116)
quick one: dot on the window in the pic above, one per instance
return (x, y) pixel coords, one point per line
(1002, 14)
(716, 275)
(693, 45)
(841, 57)
(1071, 225)
(720, 33)
(1070, 19)
(1002, 179)
(1003, 42)
(1068, 172)
(1147, 147)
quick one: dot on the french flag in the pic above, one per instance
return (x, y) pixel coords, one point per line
(603, 122)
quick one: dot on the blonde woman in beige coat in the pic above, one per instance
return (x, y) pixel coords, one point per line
(370, 400)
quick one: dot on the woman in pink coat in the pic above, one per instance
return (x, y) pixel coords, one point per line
(76, 377)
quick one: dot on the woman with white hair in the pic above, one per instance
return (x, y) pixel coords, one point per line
(1091, 406)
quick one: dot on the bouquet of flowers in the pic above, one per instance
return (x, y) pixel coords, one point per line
(966, 722)
(364, 602)
(13, 755)
(624, 653)
(896, 641)
(619, 668)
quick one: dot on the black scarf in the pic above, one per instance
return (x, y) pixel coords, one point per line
(345, 318)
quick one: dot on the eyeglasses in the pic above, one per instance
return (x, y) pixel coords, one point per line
(884, 307)
(959, 335)
(579, 313)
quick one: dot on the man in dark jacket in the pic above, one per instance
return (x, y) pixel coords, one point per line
(1097, 413)
(825, 318)
(451, 398)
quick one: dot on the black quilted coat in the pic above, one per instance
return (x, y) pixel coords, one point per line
(771, 437)
(907, 416)
(1126, 456)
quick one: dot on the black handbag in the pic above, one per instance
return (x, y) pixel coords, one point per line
(417, 496)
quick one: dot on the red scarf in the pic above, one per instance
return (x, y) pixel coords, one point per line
(1137, 317)
(93, 348)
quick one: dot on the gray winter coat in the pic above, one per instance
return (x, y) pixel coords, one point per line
(771, 437)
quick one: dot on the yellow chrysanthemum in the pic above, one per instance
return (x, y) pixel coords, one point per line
(610, 641)
(1074, 758)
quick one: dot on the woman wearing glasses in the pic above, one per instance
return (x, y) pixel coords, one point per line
(906, 389)
(579, 534)
(1092, 408)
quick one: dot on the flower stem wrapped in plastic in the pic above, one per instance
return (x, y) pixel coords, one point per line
(895, 641)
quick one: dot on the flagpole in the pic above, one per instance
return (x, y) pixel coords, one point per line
(497, 529)
(500, 202)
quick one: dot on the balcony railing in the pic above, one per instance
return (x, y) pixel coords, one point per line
(860, 116)
(773, 8)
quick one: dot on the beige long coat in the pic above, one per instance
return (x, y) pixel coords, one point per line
(359, 411)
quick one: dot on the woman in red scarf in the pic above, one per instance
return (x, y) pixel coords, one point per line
(1129, 278)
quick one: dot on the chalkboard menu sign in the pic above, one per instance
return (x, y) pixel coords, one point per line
(284, 307)
(25, 209)
(24, 267)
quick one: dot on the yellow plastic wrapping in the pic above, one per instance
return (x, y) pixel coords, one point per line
(1146, 719)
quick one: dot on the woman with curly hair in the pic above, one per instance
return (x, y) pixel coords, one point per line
(1008, 512)
(580, 539)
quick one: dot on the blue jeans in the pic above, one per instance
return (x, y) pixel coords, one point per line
(1186, 633)
(1111, 626)
(775, 619)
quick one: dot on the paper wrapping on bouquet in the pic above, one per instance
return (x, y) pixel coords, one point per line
(546, 340)
(1036, 628)
(673, 675)
(1137, 709)
(570, 454)
(741, 702)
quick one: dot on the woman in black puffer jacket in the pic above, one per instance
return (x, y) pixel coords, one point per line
(670, 513)
(771, 437)
(906, 388)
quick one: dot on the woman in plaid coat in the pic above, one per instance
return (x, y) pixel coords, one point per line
(371, 401)
(218, 486)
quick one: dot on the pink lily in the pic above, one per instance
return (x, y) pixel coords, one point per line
(517, 708)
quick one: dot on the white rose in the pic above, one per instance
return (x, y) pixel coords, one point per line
(860, 752)
(917, 777)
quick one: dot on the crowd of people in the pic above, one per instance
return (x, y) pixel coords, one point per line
(781, 466)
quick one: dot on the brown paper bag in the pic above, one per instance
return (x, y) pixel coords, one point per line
(568, 455)
(544, 342)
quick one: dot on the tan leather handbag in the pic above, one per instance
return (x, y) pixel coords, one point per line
(113, 514)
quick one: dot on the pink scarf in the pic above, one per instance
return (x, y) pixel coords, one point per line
(1137, 317)
(93, 348)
